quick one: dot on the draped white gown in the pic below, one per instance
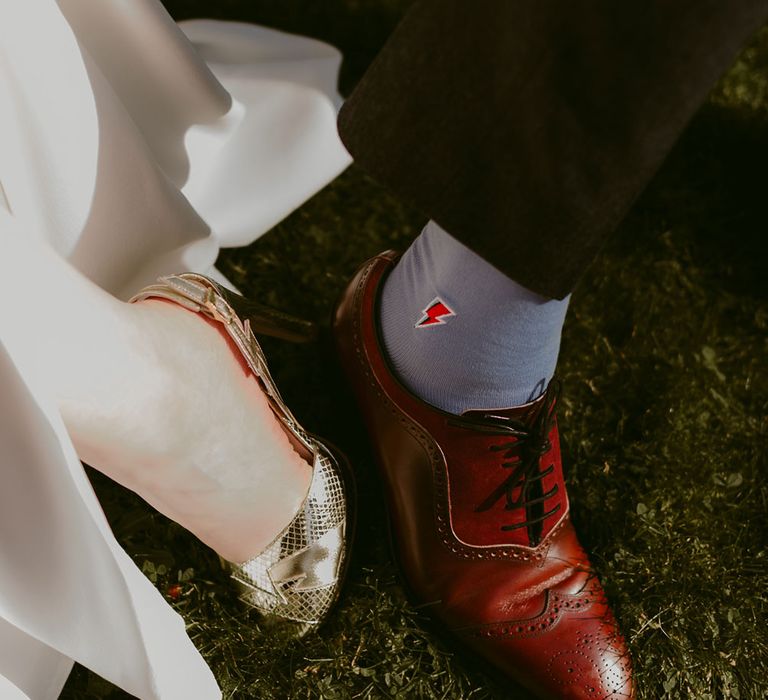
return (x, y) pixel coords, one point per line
(134, 147)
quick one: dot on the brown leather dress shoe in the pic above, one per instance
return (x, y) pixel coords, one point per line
(480, 521)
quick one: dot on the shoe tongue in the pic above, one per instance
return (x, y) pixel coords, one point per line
(526, 413)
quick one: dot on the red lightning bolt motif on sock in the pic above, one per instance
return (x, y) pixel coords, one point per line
(435, 314)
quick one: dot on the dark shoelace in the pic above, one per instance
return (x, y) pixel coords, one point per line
(522, 455)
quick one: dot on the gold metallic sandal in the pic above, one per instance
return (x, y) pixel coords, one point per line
(296, 580)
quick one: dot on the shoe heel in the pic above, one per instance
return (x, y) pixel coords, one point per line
(199, 293)
(268, 321)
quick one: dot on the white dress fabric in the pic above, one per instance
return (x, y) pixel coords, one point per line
(134, 147)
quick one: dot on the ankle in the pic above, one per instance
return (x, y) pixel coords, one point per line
(462, 335)
(252, 479)
(193, 434)
(116, 396)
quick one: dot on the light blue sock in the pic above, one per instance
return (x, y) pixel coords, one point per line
(462, 335)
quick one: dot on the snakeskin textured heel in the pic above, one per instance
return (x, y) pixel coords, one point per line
(295, 581)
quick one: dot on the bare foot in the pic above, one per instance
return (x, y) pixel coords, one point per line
(185, 425)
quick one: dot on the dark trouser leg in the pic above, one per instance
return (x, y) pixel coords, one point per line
(527, 129)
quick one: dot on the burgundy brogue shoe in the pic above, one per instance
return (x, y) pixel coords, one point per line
(480, 521)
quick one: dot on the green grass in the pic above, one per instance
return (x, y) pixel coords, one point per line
(664, 419)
